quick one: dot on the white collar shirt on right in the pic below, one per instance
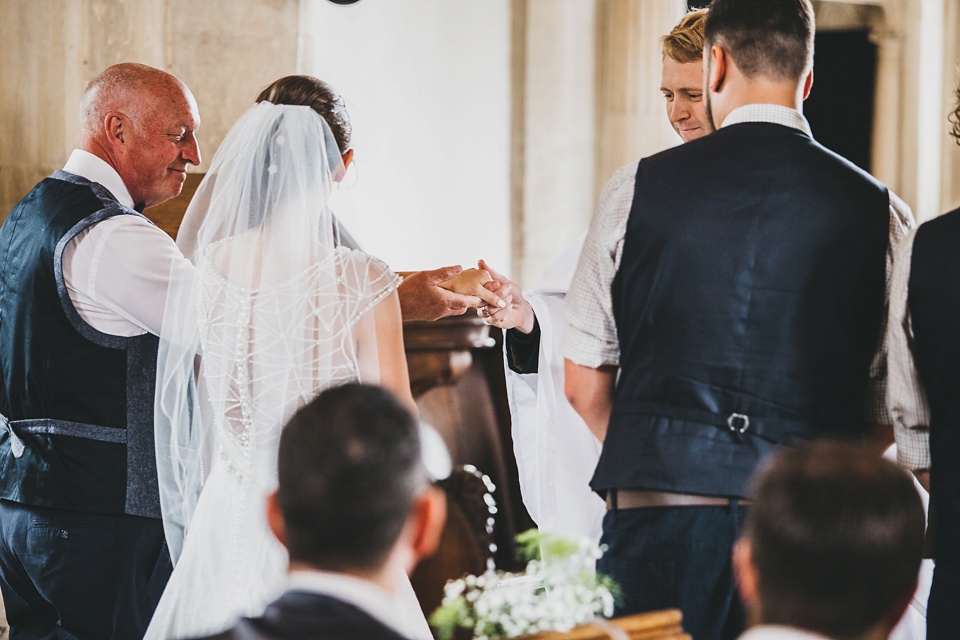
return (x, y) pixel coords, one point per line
(769, 113)
(360, 593)
(778, 632)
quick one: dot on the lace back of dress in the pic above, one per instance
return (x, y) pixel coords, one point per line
(276, 315)
(268, 351)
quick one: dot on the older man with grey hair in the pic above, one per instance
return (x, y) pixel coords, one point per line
(83, 278)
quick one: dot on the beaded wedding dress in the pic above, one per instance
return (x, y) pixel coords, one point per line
(279, 311)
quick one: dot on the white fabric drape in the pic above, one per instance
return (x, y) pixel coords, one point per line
(556, 452)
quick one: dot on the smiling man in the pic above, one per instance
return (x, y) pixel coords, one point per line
(83, 279)
(682, 77)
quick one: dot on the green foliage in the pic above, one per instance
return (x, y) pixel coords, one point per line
(538, 545)
(557, 592)
(528, 543)
(447, 616)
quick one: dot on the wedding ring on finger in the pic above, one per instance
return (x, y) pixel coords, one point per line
(484, 312)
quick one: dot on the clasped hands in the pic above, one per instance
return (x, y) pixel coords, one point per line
(431, 295)
(511, 310)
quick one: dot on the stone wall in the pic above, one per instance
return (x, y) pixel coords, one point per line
(586, 101)
(582, 97)
(225, 50)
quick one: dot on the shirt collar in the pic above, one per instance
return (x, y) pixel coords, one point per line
(777, 632)
(772, 113)
(95, 169)
(362, 594)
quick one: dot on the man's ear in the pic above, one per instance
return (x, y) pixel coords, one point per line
(718, 68)
(428, 517)
(745, 571)
(807, 84)
(275, 519)
(115, 127)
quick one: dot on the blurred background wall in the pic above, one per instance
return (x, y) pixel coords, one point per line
(482, 129)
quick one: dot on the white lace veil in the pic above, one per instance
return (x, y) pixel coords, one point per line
(270, 318)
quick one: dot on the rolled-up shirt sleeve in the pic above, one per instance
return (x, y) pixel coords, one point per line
(591, 336)
(900, 223)
(906, 401)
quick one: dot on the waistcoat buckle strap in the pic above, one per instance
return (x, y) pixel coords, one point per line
(16, 444)
(780, 430)
(738, 418)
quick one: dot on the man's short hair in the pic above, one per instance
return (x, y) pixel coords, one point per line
(764, 37)
(684, 43)
(836, 534)
(349, 469)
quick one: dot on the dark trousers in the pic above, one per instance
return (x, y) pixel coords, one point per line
(76, 576)
(677, 557)
(943, 607)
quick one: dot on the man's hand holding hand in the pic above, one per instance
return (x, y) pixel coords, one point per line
(517, 314)
(427, 295)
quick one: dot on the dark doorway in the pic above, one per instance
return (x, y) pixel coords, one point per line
(840, 106)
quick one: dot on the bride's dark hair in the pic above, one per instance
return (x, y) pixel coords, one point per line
(319, 96)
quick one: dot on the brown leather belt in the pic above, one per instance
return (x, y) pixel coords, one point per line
(638, 498)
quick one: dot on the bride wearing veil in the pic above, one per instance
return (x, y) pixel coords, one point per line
(279, 311)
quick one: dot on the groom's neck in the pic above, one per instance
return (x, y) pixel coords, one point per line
(381, 577)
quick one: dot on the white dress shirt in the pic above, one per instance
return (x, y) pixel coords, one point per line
(591, 339)
(363, 594)
(118, 271)
(777, 632)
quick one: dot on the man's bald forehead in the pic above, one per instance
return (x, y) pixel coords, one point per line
(131, 73)
(128, 86)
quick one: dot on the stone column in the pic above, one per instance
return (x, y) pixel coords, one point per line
(631, 121)
(925, 113)
(554, 127)
(885, 145)
(586, 101)
(909, 119)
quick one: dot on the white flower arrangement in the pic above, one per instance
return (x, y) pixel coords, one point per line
(554, 593)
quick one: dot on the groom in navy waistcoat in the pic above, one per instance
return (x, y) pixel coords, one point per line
(746, 294)
(83, 279)
(356, 510)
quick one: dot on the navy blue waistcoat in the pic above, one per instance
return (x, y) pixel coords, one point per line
(748, 305)
(77, 404)
(933, 295)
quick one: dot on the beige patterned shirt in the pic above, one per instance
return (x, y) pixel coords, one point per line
(591, 336)
(906, 399)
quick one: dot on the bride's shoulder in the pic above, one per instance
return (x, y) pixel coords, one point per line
(358, 258)
(366, 268)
